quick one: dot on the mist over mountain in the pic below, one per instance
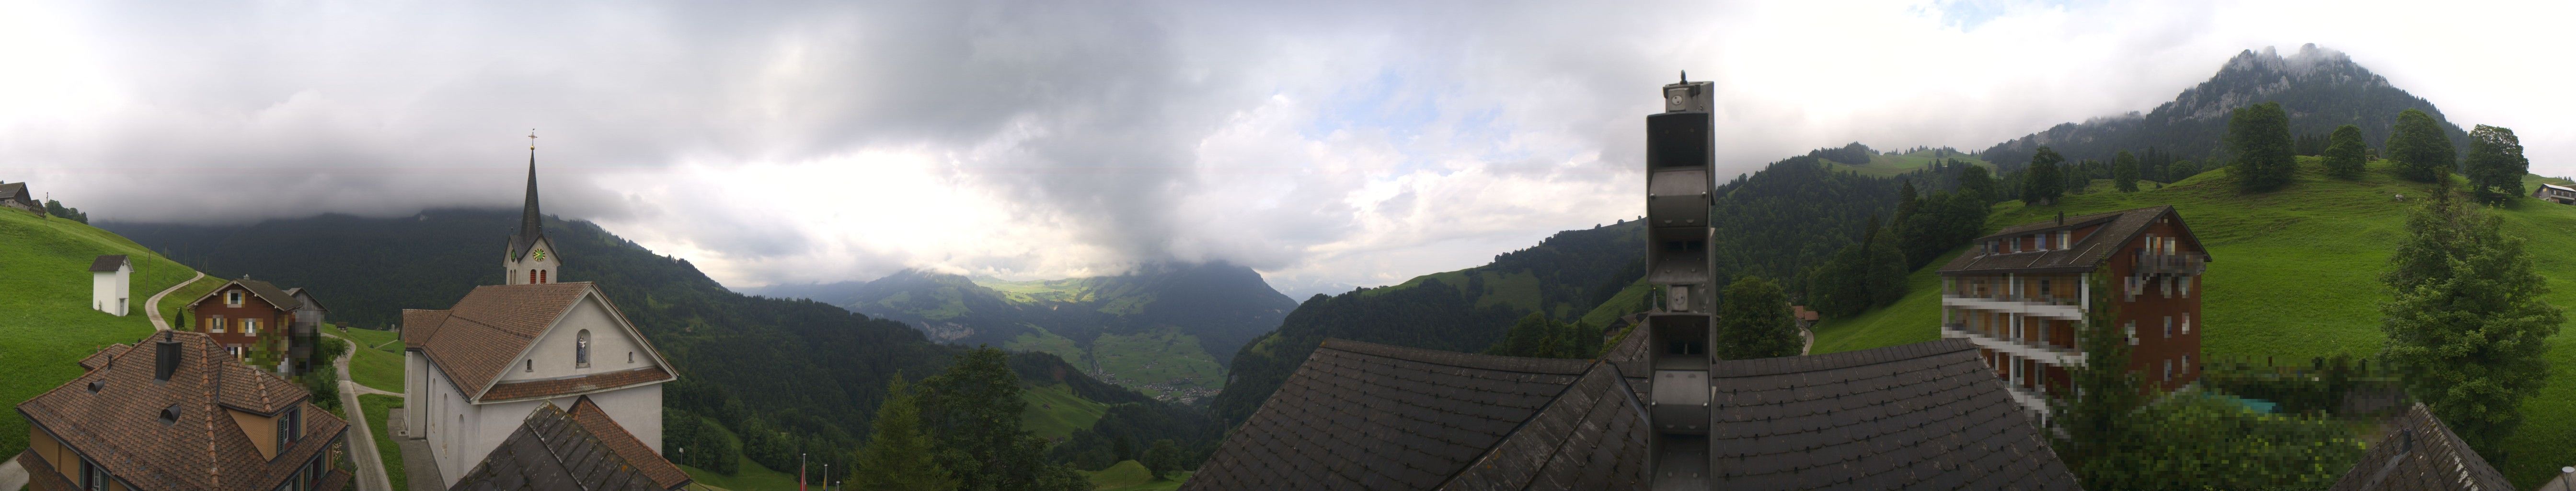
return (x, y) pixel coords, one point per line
(2320, 88)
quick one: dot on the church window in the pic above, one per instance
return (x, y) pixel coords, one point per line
(541, 276)
(532, 277)
(630, 357)
(532, 365)
(581, 350)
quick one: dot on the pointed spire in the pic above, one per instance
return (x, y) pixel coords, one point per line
(530, 226)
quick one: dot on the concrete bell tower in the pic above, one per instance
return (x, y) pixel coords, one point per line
(531, 258)
(1679, 178)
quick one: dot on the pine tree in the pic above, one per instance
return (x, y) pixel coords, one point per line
(898, 456)
(2495, 164)
(2043, 182)
(973, 410)
(2097, 417)
(1886, 270)
(2466, 325)
(2346, 153)
(2124, 172)
(1753, 321)
(2260, 136)
(2421, 150)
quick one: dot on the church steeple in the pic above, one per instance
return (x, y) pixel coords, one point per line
(531, 258)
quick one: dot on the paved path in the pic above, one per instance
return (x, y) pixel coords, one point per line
(152, 307)
(362, 444)
(1811, 341)
(12, 477)
(417, 465)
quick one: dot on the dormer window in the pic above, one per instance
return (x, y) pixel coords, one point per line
(290, 427)
(233, 298)
(170, 415)
(581, 349)
(96, 385)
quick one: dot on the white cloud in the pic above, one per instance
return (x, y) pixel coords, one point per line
(1358, 143)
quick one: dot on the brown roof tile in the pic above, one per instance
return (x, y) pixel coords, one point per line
(419, 325)
(661, 470)
(119, 426)
(107, 264)
(267, 292)
(2085, 255)
(574, 385)
(102, 357)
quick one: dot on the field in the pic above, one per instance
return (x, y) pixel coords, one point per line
(2294, 275)
(174, 307)
(1054, 412)
(1889, 164)
(379, 407)
(752, 477)
(45, 314)
(1131, 476)
(1156, 361)
(1048, 342)
(380, 367)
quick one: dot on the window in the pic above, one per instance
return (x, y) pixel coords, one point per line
(532, 277)
(2063, 237)
(2168, 369)
(215, 325)
(2132, 329)
(289, 427)
(2168, 327)
(2186, 323)
(250, 327)
(532, 365)
(581, 349)
(233, 298)
(630, 357)
(542, 276)
(92, 477)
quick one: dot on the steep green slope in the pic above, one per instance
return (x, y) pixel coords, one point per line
(1896, 164)
(2294, 275)
(46, 323)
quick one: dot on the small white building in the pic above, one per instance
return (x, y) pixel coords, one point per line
(110, 277)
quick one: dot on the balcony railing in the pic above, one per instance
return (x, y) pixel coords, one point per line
(2046, 350)
(2066, 300)
(2177, 264)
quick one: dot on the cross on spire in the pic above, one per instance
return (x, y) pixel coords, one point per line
(532, 139)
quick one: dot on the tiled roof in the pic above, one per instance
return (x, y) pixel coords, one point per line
(1367, 416)
(306, 297)
(107, 264)
(102, 357)
(1592, 437)
(574, 385)
(12, 189)
(485, 332)
(2085, 255)
(419, 325)
(2420, 453)
(263, 289)
(552, 451)
(119, 426)
(1924, 415)
(660, 470)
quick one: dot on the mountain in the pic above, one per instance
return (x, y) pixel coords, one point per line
(46, 317)
(1166, 329)
(812, 370)
(2320, 88)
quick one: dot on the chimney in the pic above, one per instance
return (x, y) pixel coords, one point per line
(2061, 218)
(165, 358)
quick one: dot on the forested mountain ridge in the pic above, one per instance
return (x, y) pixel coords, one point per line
(809, 373)
(2321, 88)
(1164, 328)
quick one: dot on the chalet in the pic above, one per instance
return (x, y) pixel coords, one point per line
(244, 317)
(2555, 193)
(303, 332)
(110, 277)
(15, 195)
(483, 370)
(178, 412)
(2021, 294)
(1368, 416)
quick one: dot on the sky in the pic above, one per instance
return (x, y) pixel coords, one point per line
(1325, 144)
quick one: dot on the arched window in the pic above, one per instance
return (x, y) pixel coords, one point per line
(581, 349)
(542, 276)
(532, 277)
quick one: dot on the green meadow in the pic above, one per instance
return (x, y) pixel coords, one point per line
(46, 315)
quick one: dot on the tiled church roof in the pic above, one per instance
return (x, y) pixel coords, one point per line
(554, 450)
(2420, 453)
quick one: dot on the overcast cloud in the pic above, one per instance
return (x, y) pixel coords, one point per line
(1320, 143)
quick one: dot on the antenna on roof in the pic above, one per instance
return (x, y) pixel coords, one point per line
(1685, 76)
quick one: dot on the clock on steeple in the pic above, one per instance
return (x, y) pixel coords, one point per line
(530, 259)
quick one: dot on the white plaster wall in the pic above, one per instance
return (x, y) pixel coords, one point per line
(415, 385)
(638, 409)
(108, 290)
(553, 352)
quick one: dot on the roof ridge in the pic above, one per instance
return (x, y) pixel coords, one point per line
(1478, 361)
(214, 400)
(1553, 401)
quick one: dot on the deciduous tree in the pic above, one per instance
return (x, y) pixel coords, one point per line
(2495, 164)
(2043, 182)
(1753, 321)
(2466, 325)
(2260, 136)
(2346, 152)
(2421, 150)
(2124, 172)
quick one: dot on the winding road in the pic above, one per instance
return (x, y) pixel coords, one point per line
(152, 306)
(361, 439)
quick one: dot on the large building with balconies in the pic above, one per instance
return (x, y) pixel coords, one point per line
(2022, 294)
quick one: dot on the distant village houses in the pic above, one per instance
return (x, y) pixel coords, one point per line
(111, 278)
(2023, 294)
(2555, 193)
(246, 317)
(14, 195)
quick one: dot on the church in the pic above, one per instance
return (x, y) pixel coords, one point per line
(517, 354)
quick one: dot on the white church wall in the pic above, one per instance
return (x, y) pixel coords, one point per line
(609, 346)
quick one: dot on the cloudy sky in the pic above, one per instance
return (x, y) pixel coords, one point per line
(1322, 143)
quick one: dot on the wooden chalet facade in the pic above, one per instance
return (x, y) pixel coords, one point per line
(246, 316)
(2022, 295)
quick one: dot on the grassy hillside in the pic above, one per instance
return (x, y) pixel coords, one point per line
(2294, 275)
(1132, 476)
(378, 408)
(1891, 164)
(1056, 412)
(378, 364)
(46, 316)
